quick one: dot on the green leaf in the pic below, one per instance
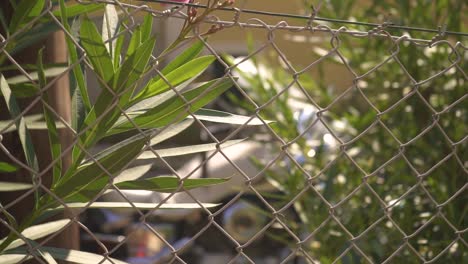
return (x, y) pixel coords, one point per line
(7, 167)
(110, 25)
(14, 186)
(187, 55)
(126, 76)
(54, 139)
(179, 151)
(78, 9)
(175, 108)
(14, 258)
(181, 74)
(118, 47)
(146, 27)
(24, 90)
(73, 256)
(26, 11)
(134, 43)
(37, 231)
(23, 132)
(168, 184)
(227, 118)
(133, 69)
(113, 160)
(123, 144)
(26, 38)
(78, 74)
(96, 51)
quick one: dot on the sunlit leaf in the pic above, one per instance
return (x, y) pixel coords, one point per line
(88, 176)
(185, 150)
(54, 139)
(38, 231)
(179, 75)
(24, 136)
(14, 186)
(13, 258)
(78, 73)
(110, 26)
(96, 51)
(227, 118)
(175, 108)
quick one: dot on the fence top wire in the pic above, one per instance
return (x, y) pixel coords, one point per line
(441, 30)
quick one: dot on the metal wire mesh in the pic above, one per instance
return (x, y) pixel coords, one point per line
(314, 209)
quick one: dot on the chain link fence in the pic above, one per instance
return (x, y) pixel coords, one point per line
(318, 144)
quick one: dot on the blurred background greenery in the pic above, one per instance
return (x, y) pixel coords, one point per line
(378, 161)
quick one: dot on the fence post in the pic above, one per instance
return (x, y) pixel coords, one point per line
(60, 100)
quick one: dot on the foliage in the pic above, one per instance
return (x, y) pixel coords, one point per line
(380, 160)
(153, 111)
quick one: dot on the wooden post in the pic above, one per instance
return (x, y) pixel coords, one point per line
(59, 95)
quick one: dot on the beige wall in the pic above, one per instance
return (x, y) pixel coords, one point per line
(298, 52)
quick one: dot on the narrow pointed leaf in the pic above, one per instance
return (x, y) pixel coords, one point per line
(29, 119)
(38, 231)
(54, 140)
(133, 68)
(147, 104)
(26, 11)
(135, 41)
(168, 184)
(50, 72)
(146, 28)
(110, 25)
(47, 257)
(113, 160)
(14, 186)
(133, 173)
(175, 77)
(78, 9)
(23, 132)
(14, 258)
(96, 50)
(77, 70)
(32, 125)
(7, 167)
(186, 56)
(126, 77)
(175, 108)
(227, 118)
(179, 151)
(118, 47)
